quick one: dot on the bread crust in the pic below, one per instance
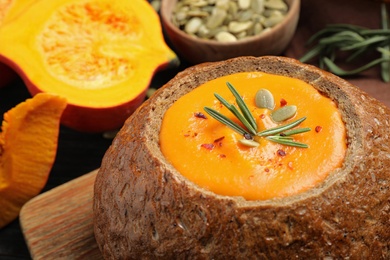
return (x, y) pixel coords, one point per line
(145, 209)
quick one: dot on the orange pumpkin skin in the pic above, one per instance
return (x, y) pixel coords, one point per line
(99, 55)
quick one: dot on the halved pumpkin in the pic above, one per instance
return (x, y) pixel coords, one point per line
(99, 55)
(28, 146)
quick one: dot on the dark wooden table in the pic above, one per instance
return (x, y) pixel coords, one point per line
(79, 153)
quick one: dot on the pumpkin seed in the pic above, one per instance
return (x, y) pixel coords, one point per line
(222, 4)
(264, 99)
(250, 143)
(197, 13)
(276, 4)
(216, 18)
(244, 4)
(203, 31)
(193, 25)
(244, 16)
(225, 37)
(257, 28)
(238, 27)
(284, 113)
(200, 3)
(257, 6)
(275, 18)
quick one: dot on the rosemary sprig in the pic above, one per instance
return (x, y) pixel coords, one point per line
(280, 134)
(353, 41)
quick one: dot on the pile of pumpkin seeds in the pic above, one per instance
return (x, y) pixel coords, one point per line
(228, 20)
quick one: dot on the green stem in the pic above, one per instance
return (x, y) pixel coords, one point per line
(385, 65)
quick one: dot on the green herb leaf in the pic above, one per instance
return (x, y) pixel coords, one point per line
(286, 141)
(297, 131)
(337, 70)
(280, 129)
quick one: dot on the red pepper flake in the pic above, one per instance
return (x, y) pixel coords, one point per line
(280, 152)
(262, 116)
(266, 170)
(318, 129)
(200, 115)
(222, 156)
(208, 146)
(283, 102)
(219, 139)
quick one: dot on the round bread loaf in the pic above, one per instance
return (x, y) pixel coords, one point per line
(145, 209)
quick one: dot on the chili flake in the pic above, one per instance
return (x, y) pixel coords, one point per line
(218, 141)
(283, 102)
(208, 146)
(200, 115)
(318, 129)
(281, 152)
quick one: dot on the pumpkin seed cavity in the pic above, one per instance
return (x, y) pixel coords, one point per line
(80, 28)
(228, 20)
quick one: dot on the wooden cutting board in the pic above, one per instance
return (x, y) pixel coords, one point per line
(58, 224)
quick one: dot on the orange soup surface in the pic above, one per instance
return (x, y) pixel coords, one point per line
(209, 153)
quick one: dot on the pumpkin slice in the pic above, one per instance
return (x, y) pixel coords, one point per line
(28, 146)
(99, 55)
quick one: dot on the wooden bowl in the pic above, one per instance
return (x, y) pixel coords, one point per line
(196, 50)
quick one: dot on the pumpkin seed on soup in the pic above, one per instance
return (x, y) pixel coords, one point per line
(284, 113)
(264, 99)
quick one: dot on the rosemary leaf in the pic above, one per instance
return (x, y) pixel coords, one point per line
(338, 71)
(225, 120)
(367, 42)
(369, 32)
(297, 131)
(280, 129)
(287, 142)
(243, 107)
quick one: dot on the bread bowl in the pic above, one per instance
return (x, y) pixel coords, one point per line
(146, 209)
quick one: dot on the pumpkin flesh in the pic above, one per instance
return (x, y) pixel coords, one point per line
(99, 55)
